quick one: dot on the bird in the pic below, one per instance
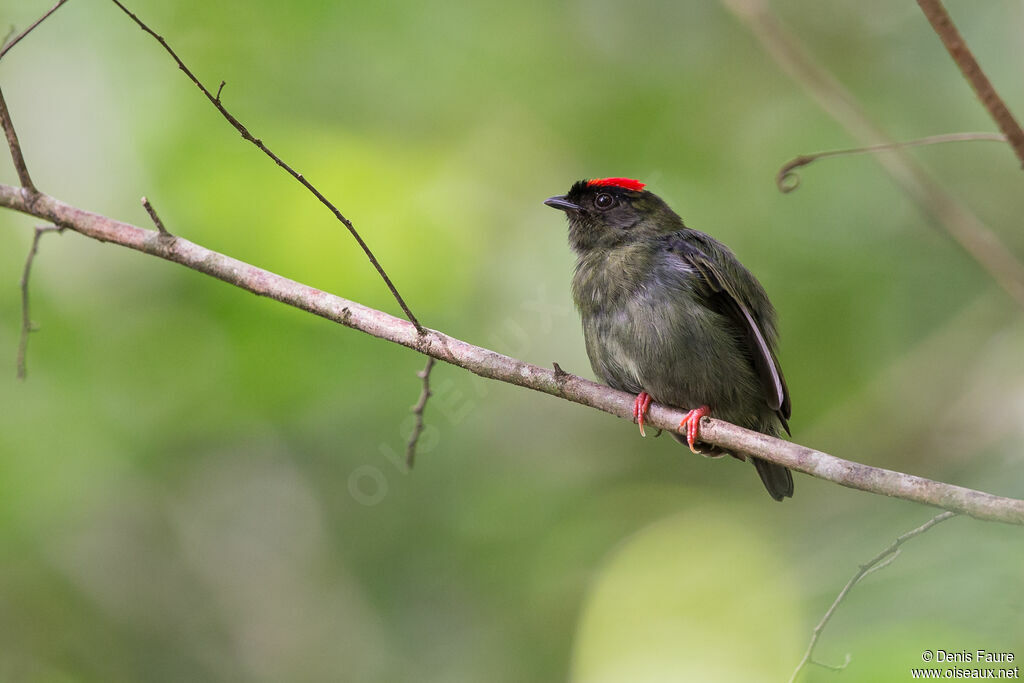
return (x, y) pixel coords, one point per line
(670, 314)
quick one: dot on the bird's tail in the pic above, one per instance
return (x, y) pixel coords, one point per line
(776, 478)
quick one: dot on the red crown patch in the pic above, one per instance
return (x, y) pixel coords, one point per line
(625, 183)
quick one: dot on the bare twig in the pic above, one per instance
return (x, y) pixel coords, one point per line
(492, 365)
(931, 198)
(15, 146)
(788, 180)
(26, 320)
(417, 411)
(215, 101)
(10, 32)
(155, 218)
(7, 46)
(940, 20)
(879, 561)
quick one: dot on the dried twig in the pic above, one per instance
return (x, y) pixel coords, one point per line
(417, 411)
(5, 48)
(932, 199)
(215, 101)
(494, 365)
(879, 561)
(12, 142)
(788, 180)
(26, 320)
(153, 217)
(10, 32)
(940, 20)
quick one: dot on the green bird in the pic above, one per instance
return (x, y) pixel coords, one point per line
(670, 314)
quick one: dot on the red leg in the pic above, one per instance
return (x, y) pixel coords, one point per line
(692, 423)
(640, 406)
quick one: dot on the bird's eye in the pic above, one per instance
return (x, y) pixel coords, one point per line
(604, 201)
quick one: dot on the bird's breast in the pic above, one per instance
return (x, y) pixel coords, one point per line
(662, 340)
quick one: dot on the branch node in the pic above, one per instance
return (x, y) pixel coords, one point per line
(219, 89)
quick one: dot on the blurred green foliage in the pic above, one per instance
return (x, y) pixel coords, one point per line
(197, 484)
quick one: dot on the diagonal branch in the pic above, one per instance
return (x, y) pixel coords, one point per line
(216, 102)
(15, 146)
(940, 20)
(5, 47)
(879, 561)
(492, 365)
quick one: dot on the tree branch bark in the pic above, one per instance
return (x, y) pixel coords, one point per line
(492, 365)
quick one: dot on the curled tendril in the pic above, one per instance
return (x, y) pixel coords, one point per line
(788, 180)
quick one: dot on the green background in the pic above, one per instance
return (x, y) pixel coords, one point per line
(199, 484)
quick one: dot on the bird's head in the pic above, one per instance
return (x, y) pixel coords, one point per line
(609, 212)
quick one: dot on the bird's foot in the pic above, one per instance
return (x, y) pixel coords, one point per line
(640, 407)
(691, 421)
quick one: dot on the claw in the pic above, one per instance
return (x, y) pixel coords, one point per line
(640, 406)
(692, 423)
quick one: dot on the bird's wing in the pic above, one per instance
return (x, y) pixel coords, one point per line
(724, 298)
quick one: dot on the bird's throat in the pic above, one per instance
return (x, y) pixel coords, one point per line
(607, 277)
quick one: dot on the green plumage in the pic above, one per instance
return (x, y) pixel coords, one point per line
(670, 311)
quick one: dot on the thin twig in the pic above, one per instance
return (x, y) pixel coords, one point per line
(10, 32)
(976, 238)
(417, 411)
(7, 46)
(788, 179)
(15, 146)
(940, 20)
(832, 667)
(879, 561)
(215, 101)
(26, 320)
(492, 365)
(155, 218)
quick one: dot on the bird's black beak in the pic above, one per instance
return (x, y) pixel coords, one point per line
(562, 204)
